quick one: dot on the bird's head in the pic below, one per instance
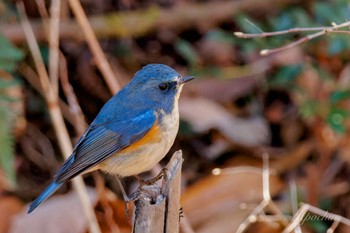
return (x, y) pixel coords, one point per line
(158, 83)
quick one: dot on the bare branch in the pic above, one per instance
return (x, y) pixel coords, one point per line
(157, 208)
(56, 116)
(321, 31)
(99, 56)
(305, 208)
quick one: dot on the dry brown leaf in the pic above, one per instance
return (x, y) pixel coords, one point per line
(229, 89)
(59, 214)
(215, 197)
(9, 207)
(265, 227)
(204, 114)
(113, 217)
(224, 223)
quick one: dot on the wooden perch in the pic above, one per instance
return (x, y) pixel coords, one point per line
(158, 208)
(139, 23)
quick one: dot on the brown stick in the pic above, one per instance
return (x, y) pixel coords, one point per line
(56, 117)
(321, 31)
(157, 208)
(96, 50)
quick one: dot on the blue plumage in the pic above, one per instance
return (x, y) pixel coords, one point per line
(44, 195)
(149, 99)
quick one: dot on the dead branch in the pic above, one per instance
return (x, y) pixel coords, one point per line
(158, 208)
(90, 37)
(299, 218)
(267, 202)
(320, 32)
(56, 116)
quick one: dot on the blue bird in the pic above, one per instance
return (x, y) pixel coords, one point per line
(132, 132)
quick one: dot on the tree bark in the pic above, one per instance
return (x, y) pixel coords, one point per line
(157, 209)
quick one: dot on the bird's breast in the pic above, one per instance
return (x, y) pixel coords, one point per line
(144, 154)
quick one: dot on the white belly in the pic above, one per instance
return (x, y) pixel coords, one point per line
(147, 156)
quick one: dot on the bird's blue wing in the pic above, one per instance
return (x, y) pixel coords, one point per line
(102, 140)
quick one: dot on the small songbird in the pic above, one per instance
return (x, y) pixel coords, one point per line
(133, 131)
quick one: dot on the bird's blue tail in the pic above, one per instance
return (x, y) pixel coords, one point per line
(44, 195)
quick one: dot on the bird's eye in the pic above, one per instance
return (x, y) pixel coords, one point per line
(163, 86)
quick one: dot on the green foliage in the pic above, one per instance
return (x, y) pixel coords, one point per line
(9, 55)
(221, 36)
(336, 117)
(318, 226)
(339, 95)
(186, 50)
(285, 76)
(338, 44)
(324, 14)
(309, 108)
(7, 117)
(320, 14)
(7, 144)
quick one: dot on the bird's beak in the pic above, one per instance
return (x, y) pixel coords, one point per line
(186, 79)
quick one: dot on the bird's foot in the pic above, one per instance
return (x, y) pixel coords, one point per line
(150, 181)
(126, 198)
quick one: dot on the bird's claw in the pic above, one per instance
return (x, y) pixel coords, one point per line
(151, 181)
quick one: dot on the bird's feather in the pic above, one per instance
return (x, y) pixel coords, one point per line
(101, 140)
(44, 195)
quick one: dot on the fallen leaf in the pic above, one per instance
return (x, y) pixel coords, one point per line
(215, 197)
(9, 207)
(204, 114)
(59, 214)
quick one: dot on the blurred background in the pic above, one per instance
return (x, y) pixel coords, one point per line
(292, 106)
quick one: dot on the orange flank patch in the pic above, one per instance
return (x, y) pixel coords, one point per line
(152, 136)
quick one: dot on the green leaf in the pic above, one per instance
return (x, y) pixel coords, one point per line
(309, 108)
(301, 18)
(221, 36)
(9, 55)
(247, 24)
(214, 71)
(186, 50)
(6, 83)
(336, 117)
(44, 51)
(336, 45)
(317, 225)
(7, 159)
(286, 75)
(326, 13)
(339, 96)
(283, 22)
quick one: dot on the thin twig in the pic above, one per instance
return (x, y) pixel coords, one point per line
(294, 202)
(99, 56)
(305, 208)
(293, 44)
(28, 73)
(80, 124)
(321, 31)
(54, 43)
(56, 116)
(266, 177)
(239, 169)
(332, 228)
(267, 202)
